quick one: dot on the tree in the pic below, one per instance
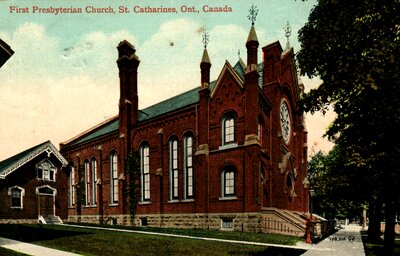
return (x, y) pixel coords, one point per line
(336, 185)
(353, 46)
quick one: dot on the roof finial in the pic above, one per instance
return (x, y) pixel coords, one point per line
(239, 54)
(253, 14)
(206, 38)
(288, 33)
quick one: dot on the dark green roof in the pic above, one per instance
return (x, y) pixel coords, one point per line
(172, 104)
(169, 105)
(14, 159)
(18, 159)
(241, 70)
(107, 128)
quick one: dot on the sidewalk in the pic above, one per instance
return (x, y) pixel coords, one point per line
(345, 242)
(31, 249)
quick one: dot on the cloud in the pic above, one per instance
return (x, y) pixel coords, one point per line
(53, 92)
(167, 69)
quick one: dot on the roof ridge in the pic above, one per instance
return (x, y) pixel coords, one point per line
(99, 125)
(171, 98)
(12, 163)
(25, 151)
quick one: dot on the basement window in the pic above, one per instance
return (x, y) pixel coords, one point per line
(227, 224)
(143, 222)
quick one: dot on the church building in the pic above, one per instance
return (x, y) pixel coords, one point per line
(230, 154)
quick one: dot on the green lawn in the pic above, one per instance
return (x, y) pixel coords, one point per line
(102, 242)
(7, 252)
(241, 236)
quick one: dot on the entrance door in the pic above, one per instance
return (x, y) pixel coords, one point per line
(46, 204)
(46, 195)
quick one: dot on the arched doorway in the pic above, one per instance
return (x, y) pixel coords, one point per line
(46, 200)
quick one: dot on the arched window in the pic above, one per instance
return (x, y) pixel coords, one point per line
(188, 171)
(145, 172)
(72, 186)
(93, 170)
(173, 169)
(113, 178)
(228, 181)
(87, 182)
(17, 194)
(228, 129)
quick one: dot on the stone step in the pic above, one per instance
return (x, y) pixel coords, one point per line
(52, 220)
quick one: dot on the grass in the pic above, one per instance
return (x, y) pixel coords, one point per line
(7, 252)
(377, 249)
(241, 236)
(102, 242)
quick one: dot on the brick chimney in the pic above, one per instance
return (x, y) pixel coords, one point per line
(128, 63)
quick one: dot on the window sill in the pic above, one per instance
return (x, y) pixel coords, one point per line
(188, 200)
(17, 208)
(112, 205)
(89, 206)
(144, 202)
(228, 146)
(174, 201)
(228, 198)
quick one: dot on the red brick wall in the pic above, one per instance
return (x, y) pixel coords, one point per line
(279, 76)
(26, 178)
(230, 95)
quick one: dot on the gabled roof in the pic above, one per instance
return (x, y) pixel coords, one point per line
(239, 77)
(13, 163)
(172, 104)
(169, 105)
(5, 52)
(100, 130)
(111, 125)
(240, 69)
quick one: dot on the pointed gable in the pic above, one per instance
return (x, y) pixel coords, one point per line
(227, 70)
(11, 164)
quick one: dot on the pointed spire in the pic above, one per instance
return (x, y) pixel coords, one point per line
(252, 35)
(206, 39)
(288, 33)
(205, 58)
(205, 64)
(252, 41)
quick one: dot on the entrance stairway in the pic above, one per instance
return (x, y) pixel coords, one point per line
(50, 220)
(285, 222)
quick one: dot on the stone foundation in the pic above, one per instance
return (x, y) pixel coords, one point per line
(19, 221)
(247, 222)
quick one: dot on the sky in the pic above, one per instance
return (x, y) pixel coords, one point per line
(63, 78)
